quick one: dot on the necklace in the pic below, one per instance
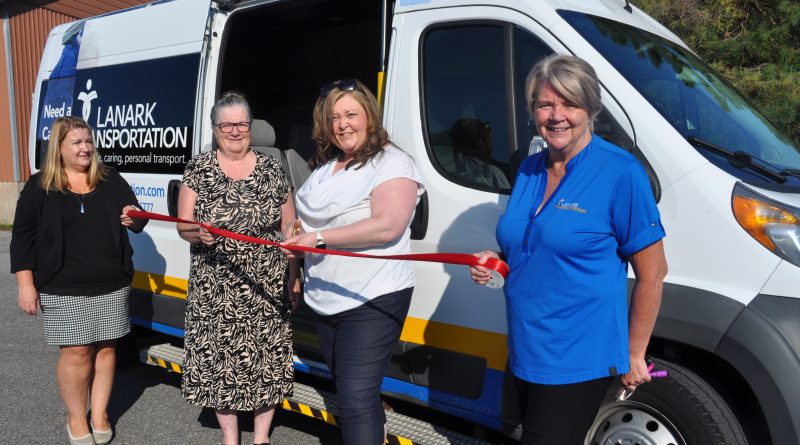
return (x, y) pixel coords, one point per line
(80, 200)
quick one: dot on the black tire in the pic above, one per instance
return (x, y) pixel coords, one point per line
(681, 409)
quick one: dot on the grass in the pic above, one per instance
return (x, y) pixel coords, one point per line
(5, 226)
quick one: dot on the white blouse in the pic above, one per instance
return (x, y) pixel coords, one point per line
(335, 283)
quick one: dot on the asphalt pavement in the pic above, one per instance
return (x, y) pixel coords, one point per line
(146, 406)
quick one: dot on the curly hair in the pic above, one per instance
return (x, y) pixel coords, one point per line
(377, 137)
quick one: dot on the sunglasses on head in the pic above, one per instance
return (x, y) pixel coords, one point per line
(344, 85)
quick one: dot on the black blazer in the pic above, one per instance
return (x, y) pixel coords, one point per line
(37, 239)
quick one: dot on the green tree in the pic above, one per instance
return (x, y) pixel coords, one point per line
(754, 44)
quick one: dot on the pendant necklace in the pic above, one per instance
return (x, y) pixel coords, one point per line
(80, 200)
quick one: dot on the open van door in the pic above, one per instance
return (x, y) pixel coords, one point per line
(134, 76)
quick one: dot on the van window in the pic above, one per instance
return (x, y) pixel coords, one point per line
(474, 107)
(722, 125)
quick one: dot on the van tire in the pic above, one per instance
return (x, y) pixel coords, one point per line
(681, 409)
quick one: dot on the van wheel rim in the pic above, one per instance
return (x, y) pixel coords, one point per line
(633, 423)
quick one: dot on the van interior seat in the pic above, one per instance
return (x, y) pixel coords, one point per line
(262, 134)
(262, 139)
(300, 140)
(301, 150)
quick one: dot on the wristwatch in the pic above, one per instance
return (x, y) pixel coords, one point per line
(320, 241)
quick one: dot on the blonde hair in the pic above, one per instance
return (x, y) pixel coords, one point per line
(572, 78)
(377, 137)
(53, 176)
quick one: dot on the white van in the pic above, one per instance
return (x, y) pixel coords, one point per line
(451, 74)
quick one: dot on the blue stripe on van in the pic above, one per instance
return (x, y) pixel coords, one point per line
(157, 327)
(484, 410)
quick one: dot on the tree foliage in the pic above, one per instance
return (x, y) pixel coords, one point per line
(754, 44)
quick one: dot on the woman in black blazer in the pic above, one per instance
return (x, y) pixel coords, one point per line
(72, 258)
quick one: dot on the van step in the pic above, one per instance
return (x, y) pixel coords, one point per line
(403, 430)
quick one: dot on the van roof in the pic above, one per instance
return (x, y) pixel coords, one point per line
(546, 11)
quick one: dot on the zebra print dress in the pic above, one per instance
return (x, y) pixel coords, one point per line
(238, 319)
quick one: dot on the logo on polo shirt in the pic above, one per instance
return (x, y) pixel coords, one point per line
(574, 206)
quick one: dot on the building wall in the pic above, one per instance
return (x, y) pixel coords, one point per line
(28, 23)
(7, 164)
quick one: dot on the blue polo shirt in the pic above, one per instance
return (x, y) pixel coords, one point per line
(566, 293)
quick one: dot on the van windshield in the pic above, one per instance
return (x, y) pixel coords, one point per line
(712, 116)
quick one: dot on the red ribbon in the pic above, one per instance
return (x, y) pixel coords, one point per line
(493, 264)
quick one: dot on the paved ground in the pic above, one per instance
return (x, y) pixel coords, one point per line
(146, 406)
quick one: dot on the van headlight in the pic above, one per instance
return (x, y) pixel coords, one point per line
(773, 224)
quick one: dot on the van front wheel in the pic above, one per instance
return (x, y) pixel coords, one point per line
(681, 409)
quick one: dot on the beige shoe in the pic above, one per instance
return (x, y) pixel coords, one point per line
(102, 437)
(83, 440)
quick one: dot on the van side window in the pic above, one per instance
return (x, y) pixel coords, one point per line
(474, 104)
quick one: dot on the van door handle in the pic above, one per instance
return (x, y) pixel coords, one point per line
(173, 189)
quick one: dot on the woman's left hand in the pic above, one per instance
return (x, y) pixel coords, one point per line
(637, 375)
(480, 275)
(126, 220)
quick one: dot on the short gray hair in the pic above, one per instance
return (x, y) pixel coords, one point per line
(572, 78)
(230, 99)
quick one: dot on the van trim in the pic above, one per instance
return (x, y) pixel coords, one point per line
(694, 316)
(161, 309)
(166, 295)
(764, 346)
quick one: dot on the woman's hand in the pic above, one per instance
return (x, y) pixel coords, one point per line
(480, 274)
(295, 288)
(206, 237)
(126, 220)
(28, 299)
(303, 239)
(637, 375)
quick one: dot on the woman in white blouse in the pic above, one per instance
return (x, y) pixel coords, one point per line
(361, 197)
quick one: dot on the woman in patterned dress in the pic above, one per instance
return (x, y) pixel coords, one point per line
(238, 315)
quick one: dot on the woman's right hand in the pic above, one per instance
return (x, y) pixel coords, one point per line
(206, 237)
(480, 275)
(303, 239)
(28, 299)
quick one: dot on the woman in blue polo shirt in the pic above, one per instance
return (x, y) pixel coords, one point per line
(579, 212)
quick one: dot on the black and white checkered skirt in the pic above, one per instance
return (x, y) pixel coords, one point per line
(81, 320)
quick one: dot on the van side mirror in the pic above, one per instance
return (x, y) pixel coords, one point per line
(173, 188)
(419, 224)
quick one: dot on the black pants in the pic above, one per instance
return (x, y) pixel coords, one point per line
(557, 414)
(357, 345)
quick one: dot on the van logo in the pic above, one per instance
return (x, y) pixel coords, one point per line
(574, 206)
(87, 97)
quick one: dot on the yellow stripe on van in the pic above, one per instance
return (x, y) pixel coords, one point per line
(380, 87)
(489, 345)
(160, 284)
